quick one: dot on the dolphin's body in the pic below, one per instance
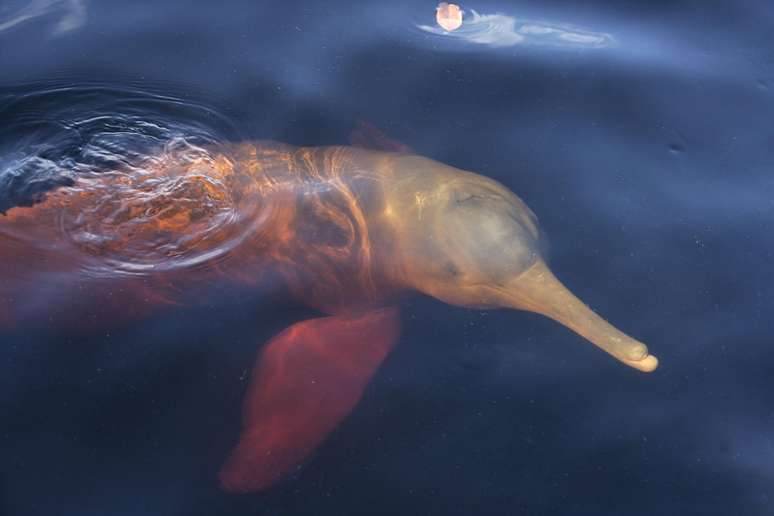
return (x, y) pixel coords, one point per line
(348, 229)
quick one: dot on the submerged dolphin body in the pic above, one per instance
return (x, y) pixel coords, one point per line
(348, 230)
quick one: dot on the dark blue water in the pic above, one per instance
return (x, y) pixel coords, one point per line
(640, 132)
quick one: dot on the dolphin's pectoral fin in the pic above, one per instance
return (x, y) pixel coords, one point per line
(368, 136)
(305, 382)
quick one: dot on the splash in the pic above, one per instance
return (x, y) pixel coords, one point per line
(501, 30)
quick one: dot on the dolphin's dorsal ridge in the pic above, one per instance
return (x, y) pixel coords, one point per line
(367, 136)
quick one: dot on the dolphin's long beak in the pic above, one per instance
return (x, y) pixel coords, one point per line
(538, 290)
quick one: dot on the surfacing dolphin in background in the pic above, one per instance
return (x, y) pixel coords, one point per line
(348, 229)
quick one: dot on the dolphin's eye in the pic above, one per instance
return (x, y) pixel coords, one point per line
(468, 198)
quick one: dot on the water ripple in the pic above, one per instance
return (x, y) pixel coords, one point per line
(127, 180)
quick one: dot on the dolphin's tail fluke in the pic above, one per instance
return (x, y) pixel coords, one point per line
(538, 290)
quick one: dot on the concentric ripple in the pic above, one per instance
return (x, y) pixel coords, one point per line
(126, 180)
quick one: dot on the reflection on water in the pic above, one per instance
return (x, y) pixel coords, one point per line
(502, 30)
(70, 14)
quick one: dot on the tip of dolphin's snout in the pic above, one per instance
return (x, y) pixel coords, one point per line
(636, 355)
(538, 290)
(646, 365)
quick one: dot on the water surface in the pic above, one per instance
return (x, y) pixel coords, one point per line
(640, 134)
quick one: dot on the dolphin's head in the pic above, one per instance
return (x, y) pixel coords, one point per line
(462, 235)
(468, 241)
